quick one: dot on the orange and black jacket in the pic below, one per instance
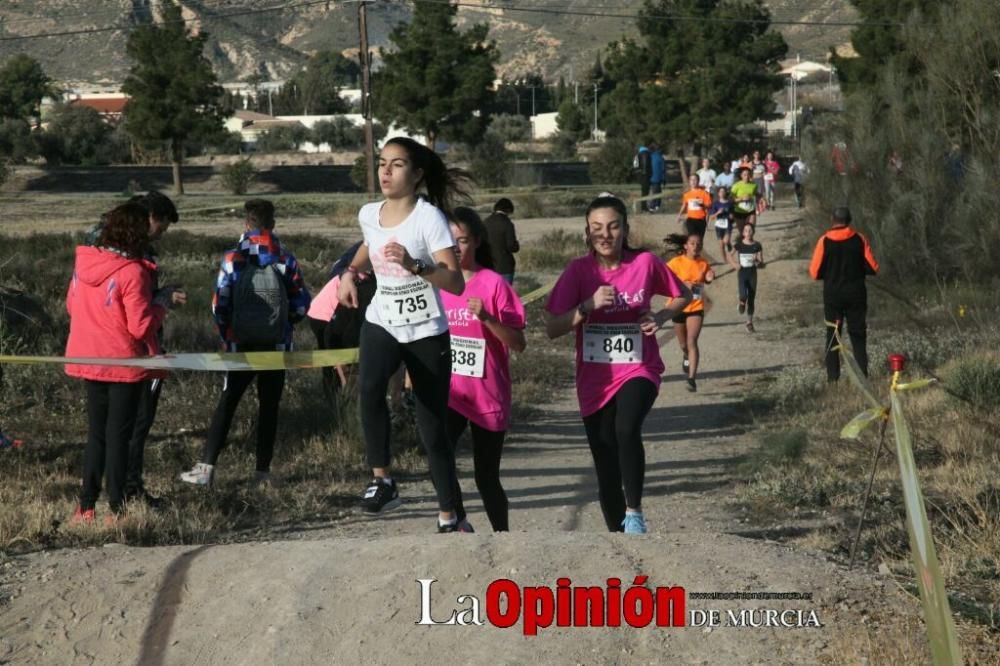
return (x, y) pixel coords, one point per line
(842, 259)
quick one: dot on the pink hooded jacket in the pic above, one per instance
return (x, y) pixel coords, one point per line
(112, 315)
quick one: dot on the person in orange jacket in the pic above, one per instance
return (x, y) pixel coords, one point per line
(842, 259)
(113, 313)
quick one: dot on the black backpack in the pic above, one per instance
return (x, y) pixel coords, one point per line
(260, 306)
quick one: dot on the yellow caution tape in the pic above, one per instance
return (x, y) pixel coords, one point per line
(212, 362)
(937, 611)
(229, 361)
(857, 425)
(533, 296)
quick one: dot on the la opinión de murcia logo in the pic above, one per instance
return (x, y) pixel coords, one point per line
(637, 605)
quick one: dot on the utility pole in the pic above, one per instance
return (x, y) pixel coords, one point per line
(595, 111)
(576, 93)
(532, 101)
(366, 96)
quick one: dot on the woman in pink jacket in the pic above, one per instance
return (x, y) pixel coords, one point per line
(113, 314)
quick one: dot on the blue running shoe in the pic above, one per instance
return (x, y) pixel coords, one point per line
(634, 523)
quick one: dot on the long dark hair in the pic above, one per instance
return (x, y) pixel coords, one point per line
(125, 229)
(468, 218)
(617, 205)
(444, 186)
(676, 242)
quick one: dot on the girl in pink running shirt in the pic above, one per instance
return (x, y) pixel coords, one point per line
(605, 297)
(485, 321)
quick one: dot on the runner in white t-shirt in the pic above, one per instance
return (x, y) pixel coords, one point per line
(409, 246)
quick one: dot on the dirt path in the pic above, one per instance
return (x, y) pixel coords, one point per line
(349, 593)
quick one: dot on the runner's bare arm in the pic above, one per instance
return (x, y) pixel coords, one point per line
(347, 290)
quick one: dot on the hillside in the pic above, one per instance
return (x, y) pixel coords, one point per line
(246, 39)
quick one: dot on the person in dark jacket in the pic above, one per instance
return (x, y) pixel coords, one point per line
(240, 310)
(502, 239)
(842, 259)
(644, 172)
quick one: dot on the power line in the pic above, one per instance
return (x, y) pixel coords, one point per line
(532, 10)
(661, 17)
(114, 28)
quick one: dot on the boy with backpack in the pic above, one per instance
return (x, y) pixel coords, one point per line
(259, 296)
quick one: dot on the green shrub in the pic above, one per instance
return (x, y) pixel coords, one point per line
(238, 176)
(552, 251)
(282, 139)
(563, 146)
(613, 163)
(337, 133)
(510, 127)
(491, 163)
(976, 380)
(358, 176)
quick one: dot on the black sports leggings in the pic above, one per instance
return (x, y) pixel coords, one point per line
(270, 384)
(487, 448)
(429, 363)
(615, 435)
(111, 408)
(746, 281)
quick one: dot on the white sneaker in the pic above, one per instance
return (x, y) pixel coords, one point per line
(200, 475)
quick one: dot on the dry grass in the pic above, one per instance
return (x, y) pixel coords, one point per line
(804, 468)
(319, 460)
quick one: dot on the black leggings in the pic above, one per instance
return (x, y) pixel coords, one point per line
(111, 408)
(149, 399)
(615, 435)
(429, 363)
(270, 384)
(746, 281)
(487, 448)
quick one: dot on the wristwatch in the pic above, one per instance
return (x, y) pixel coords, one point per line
(419, 267)
(582, 309)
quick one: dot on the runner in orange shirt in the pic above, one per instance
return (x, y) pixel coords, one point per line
(694, 207)
(694, 271)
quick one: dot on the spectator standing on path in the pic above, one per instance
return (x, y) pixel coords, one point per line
(798, 171)
(842, 259)
(644, 171)
(113, 313)
(657, 175)
(259, 296)
(706, 176)
(502, 239)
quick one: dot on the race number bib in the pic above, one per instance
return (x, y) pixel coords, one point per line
(746, 260)
(695, 204)
(745, 206)
(612, 343)
(768, 177)
(411, 302)
(468, 356)
(697, 290)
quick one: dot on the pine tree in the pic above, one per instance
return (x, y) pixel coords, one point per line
(23, 84)
(437, 81)
(174, 96)
(878, 38)
(691, 83)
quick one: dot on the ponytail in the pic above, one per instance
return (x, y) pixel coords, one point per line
(676, 242)
(443, 185)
